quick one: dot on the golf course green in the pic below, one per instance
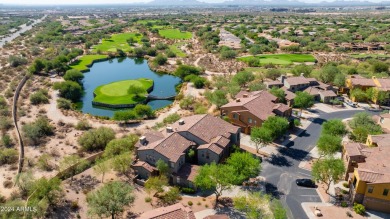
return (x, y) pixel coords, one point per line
(175, 34)
(86, 61)
(280, 59)
(117, 41)
(118, 93)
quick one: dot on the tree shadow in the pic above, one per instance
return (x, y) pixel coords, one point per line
(319, 121)
(278, 160)
(230, 212)
(272, 190)
(296, 154)
(83, 183)
(62, 210)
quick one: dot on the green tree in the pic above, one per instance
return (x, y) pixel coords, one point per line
(69, 90)
(25, 182)
(261, 137)
(245, 165)
(121, 145)
(328, 145)
(328, 73)
(171, 197)
(63, 103)
(379, 67)
(299, 69)
(328, 170)
(72, 164)
(156, 184)
(358, 94)
(273, 73)
(339, 80)
(160, 59)
(101, 167)
(279, 93)
(137, 90)
(217, 178)
(96, 139)
(334, 127)
(110, 199)
(162, 167)
(144, 110)
(218, 97)
(183, 70)
(125, 115)
(243, 78)
(277, 125)
(74, 75)
(303, 100)
(121, 163)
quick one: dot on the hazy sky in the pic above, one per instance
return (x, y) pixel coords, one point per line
(57, 2)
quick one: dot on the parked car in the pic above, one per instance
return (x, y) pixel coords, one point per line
(352, 104)
(306, 183)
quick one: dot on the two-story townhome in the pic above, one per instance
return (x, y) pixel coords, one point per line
(379, 84)
(209, 138)
(251, 109)
(368, 170)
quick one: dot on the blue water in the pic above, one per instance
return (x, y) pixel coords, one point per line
(124, 69)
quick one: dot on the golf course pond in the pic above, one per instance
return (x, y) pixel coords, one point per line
(118, 69)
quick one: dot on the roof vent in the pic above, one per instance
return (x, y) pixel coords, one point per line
(238, 100)
(142, 140)
(169, 129)
(245, 95)
(181, 122)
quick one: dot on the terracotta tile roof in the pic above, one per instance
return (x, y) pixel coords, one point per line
(312, 91)
(289, 95)
(362, 82)
(384, 82)
(206, 127)
(278, 83)
(172, 147)
(260, 104)
(217, 145)
(354, 148)
(145, 165)
(381, 140)
(328, 93)
(188, 172)
(217, 216)
(151, 137)
(176, 211)
(298, 80)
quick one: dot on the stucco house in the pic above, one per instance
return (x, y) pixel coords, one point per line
(208, 138)
(368, 172)
(251, 109)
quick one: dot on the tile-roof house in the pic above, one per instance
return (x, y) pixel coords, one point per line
(250, 109)
(380, 84)
(384, 121)
(370, 179)
(176, 211)
(210, 137)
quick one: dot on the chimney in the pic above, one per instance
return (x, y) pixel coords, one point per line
(238, 100)
(282, 78)
(169, 129)
(142, 140)
(181, 122)
(245, 95)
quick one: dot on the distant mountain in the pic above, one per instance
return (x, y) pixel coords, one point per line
(176, 2)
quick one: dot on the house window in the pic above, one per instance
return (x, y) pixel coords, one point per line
(385, 192)
(207, 155)
(250, 120)
(370, 189)
(178, 180)
(172, 165)
(235, 116)
(202, 154)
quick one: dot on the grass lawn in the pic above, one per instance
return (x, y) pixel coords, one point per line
(281, 59)
(175, 34)
(117, 41)
(176, 49)
(116, 92)
(84, 61)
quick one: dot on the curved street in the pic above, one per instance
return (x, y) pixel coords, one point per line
(280, 170)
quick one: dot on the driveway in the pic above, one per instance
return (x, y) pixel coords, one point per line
(281, 169)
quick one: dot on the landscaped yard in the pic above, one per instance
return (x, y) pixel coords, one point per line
(117, 41)
(176, 49)
(175, 34)
(280, 59)
(117, 92)
(83, 63)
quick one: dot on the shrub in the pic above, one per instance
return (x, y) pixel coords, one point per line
(5, 123)
(69, 89)
(190, 203)
(15, 61)
(359, 208)
(74, 75)
(39, 97)
(160, 59)
(188, 190)
(346, 185)
(183, 70)
(96, 139)
(6, 140)
(119, 146)
(344, 204)
(297, 122)
(35, 131)
(144, 110)
(64, 104)
(74, 205)
(171, 118)
(8, 156)
(148, 199)
(199, 82)
(83, 125)
(349, 214)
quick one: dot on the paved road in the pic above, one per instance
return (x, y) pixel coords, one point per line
(282, 169)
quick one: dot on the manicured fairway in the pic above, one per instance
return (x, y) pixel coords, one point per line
(84, 61)
(175, 34)
(281, 59)
(176, 49)
(117, 41)
(117, 92)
